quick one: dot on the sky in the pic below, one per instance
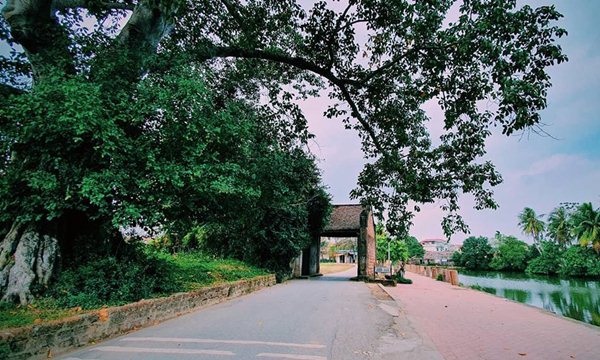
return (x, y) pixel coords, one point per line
(539, 172)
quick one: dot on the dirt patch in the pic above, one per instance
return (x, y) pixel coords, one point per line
(379, 293)
(330, 268)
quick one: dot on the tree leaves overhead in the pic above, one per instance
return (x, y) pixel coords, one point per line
(382, 61)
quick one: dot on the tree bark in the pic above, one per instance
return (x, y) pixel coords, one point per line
(28, 260)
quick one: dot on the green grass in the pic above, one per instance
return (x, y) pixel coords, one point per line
(12, 315)
(189, 272)
(193, 271)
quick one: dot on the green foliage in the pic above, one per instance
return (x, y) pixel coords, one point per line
(580, 262)
(165, 154)
(401, 279)
(189, 148)
(476, 253)
(398, 250)
(531, 224)
(112, 281)
(510, 255)
(548, 261)
(415, 249)
(586, 226)
(12, 315)
(560, 226)
(440, 277)
(457, 258)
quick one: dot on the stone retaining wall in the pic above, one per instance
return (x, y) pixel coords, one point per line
(448, 275)
(45, 340)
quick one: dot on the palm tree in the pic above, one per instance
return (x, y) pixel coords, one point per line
(586, 226)
(532, 225)
(560, 226)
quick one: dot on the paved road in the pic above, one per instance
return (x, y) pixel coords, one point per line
(323, 318)
(468, 324)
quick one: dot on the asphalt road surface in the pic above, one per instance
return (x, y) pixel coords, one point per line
(324, 318)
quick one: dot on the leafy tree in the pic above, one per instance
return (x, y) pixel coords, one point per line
(415, 249)
(476, 253)
(457, 258)
(560, 226)
(548, 261)
(398, 250)
(586, 226)
(580, 261)
(531, 224)
(103, 125)
(510, 255)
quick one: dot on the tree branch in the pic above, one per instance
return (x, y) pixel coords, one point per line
(62, 5)
(46, 43)
(300, 63)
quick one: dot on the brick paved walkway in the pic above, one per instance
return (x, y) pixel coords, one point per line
(468, 324)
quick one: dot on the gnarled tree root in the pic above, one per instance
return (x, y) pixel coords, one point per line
(28, 259)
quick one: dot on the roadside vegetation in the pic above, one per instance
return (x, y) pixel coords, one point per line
(567, 244)
(110, 281)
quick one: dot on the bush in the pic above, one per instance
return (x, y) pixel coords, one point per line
(440, 277)
(457, 258)
(476, 253)
(400, 279)
(548, 261)
(580, 261)
(511, 254)
(113, 281)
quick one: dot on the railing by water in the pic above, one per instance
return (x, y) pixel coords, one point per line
(434, 272)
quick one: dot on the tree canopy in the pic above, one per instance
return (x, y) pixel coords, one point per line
(150, 112)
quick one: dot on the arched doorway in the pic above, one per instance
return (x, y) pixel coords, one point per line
(347, 221)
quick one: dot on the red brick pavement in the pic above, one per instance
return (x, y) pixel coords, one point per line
(468, 324)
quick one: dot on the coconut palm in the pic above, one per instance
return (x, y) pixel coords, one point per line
(532, 225)
(560, 226)
(586, 226)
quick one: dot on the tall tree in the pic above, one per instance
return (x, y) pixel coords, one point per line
(560, 226)
(380, 60)
(531, 224)
(586, 226)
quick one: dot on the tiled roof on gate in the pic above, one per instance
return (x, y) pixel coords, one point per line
(344, 217)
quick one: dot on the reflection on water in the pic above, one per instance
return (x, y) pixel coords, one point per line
(574, 298)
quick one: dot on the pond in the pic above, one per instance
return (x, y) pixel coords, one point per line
(575, 298)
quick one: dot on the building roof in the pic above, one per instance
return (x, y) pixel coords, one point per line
(344, 218)
(433, 241)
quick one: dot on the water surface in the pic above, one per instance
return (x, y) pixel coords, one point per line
(575, 298)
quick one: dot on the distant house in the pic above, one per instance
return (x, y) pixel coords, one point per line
(341, 249)
(438, 251)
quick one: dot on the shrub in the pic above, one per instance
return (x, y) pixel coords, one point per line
(400, 279)
(548, 261)
(511, 254)
(476, 253)
(580, 261)
(113, 281)
(440, 277)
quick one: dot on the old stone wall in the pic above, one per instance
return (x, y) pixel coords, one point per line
(45, 340)
(447, 275)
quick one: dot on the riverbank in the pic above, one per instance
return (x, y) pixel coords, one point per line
(468, 324)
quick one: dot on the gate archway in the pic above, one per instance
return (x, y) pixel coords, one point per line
(346, 221)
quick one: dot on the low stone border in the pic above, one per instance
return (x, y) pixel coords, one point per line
(448, 275)
(45, 340)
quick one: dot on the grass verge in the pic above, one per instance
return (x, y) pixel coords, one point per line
(92, 287)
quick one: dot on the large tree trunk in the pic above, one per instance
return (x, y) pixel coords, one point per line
(28, 260)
